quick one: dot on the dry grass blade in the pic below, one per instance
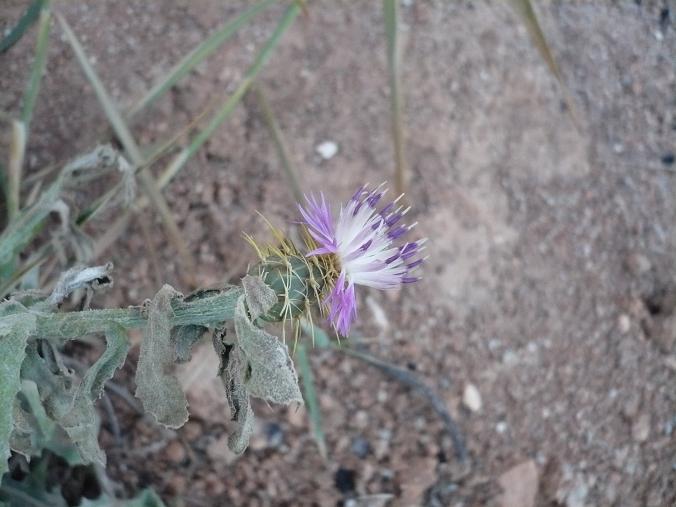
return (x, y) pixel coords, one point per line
(16, 275)
(233, 101)
(196, 56)
(526, 12)
(280, 144)
(38, 66)
(310, 396)
(391, 12)
(20, 128)
(179, 161)
(127, 140)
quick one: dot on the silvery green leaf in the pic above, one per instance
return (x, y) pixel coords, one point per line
(16, 325)
(56, 383)
(272, 375)
(81, 422)
(159, 391)
(35, 431)
(259, 297)
(232, 371)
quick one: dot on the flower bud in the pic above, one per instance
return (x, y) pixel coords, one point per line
(297, 281)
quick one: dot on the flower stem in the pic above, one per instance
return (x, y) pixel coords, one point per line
(207, 311)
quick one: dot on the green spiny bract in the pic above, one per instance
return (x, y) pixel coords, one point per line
(297, 281)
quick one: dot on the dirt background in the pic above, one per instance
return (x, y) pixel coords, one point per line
(550, 283)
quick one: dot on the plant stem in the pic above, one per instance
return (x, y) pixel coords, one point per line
(207, 311)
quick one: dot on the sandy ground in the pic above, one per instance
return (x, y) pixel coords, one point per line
(550, 283)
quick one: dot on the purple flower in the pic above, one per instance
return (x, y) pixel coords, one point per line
(367, 247)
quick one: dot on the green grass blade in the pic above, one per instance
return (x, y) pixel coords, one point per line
(229, 105)
(124, 134)
(179, 161)
(197, 55)
(391, 13)
(526, 12)
(310, 395)
(38, 67)
(111, 111)
(30, 16)
(17, 152)
(280, 144)
(318, 336)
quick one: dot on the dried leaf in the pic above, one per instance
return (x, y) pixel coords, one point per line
(259, 297)
(272, 375)
(16, 325)
(158, 389)
(232, 371)
(75, 278)
(184, 337)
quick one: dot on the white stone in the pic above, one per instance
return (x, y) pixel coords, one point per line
(471, 398)
(624, 323)
(327, 149)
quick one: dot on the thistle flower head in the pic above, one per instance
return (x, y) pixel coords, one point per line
(364, 246)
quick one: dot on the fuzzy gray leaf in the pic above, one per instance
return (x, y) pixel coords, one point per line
(33, 429)
(232, 371)
(272, 374)
(16, 325)
(56, 383)
(80, 422)
(24, 432)
(259, 297)
(158, 389)
(184, 337)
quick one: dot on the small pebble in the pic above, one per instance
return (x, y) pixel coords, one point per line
(274, 434)
(361, 419)
(175, 452)
(345, 480)
(192, 430)
(670, 362)
(501, 427)
(509, 358)
(177, 484)
(327, 149)
(360, 447)
(638, 264)
(624, 323)
(631, 405)
(471, 398)
(641, 428)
